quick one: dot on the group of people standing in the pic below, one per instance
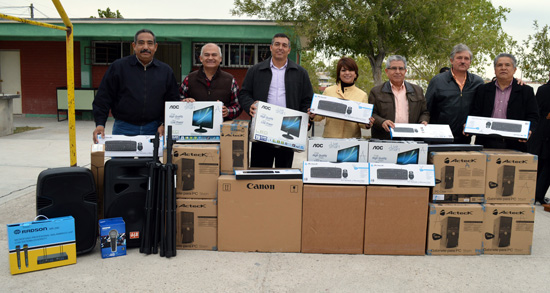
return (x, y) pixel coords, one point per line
(135, 87)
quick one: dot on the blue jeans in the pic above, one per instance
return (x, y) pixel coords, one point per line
(124, 128)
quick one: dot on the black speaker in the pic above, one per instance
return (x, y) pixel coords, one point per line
(125, 184)
(70, 191)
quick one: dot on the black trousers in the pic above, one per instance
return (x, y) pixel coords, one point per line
(543, 179)
(262, 155)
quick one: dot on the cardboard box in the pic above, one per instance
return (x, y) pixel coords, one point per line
(194, 122)
(459, 172)
(457, 198)
(112, 236)
(434, 132)
(401, 175)
(234, 146)
(198, 170)
(336, 173)
(259, 215)
(511, 177)
(337, 150)
(97, 167)
(197, 224)
(39, 245)
(279, 126)
(341, 109)
(397, 152)
(508, 229)
(509, 128)
(396, 220)
(455, 229)
(333, 219)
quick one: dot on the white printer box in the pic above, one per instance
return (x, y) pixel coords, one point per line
(279, 126)
(335, 173)
(337, 150)
(440, 132)
(496, 126)
(398, 152)
(130, 146)
(342, 109)
(402, 175)
(194, 122)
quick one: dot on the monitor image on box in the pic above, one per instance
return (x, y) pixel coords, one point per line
(203, 118)
(350, 154)
(408, 157)
(291, 125)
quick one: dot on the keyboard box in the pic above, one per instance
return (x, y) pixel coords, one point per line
(506, 128)
(341, 109)
(112, 236)
(335, 173)
(194, 122)
(340, 150)
(397, 152)
(401, 175)
(432, 132)
(129, 146)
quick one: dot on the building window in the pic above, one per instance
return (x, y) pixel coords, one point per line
(105, 53)
(236, 55)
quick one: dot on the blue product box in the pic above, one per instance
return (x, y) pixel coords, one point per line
(112, 233)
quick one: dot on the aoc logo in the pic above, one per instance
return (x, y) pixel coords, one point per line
(378, 148)
(260, 186)
(317, 145)
(174, 107)
(266, 107)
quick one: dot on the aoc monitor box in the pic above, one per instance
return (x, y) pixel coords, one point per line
(198, 170)
(42, 244)
(197, 224)
(508, 228)
(233, 146)
(455, 229)
(430, 132)
(459, 172)
(259, 215)
(341, 109)
(112, 237)
(129, 146)
(97, 166)
(338, 150)
(511, 177)
(333, 219)
(401, 175)
(506, 128)
(335, 173)
(194, 122)
(396, 220)
(400, 152)
(279, 126)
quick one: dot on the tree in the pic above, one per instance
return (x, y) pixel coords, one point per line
(424, 29)
(534, 58)
(310, 63)
(107, 13)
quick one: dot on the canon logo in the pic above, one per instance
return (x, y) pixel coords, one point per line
(174, 107)
(266, 107)
(260, 186)
(378, 147)
(317, 145)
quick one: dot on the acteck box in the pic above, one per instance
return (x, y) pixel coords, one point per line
(333, 219)
(508, 229)
(259, 215)
(41, 244)
(112, 233)
(97, 167)
(397, 152)
(279, 126)
(433, 132)
(129, 146)
(336, 173)
(396, 220)
(341, 109)
(234, 146)
(511, 177)
(194, 122)
(198, 170)
(401, 175)
(337, 150)
(509, 128)
(455, 229)
(197, 224)
(459, 172)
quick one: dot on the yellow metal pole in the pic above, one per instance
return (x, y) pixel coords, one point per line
(27, 21)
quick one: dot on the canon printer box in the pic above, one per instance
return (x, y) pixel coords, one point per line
(401, 175)
(194, 122)
(335, 173)
(129, 146)
(397, 152)
(337, 150)
(508, 228)
(341, 109)
(434, 132)
(279, 126)
(498, 127)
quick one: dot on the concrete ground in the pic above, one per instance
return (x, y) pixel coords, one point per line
(23, 156)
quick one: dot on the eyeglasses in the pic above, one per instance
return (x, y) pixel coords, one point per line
(277, 44)
(397, 68)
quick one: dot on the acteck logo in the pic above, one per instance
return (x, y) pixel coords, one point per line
(378, 147)
(195, 206)
(447, 160)
(30, 230)
(515, 162)
(496, 212)
(194, 154)
(260, 186)
(266, 107)
(317, 145)
(443, 213)
(174, 107)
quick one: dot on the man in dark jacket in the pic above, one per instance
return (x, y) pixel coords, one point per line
(134, 89)
(277, 81)
(504, 98)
